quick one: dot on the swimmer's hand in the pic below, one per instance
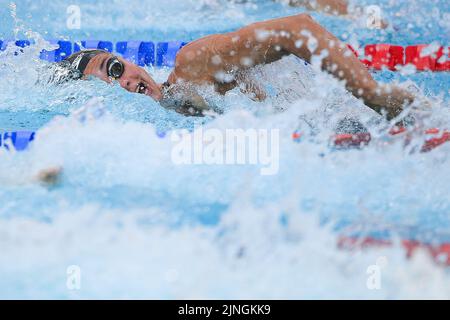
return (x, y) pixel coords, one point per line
(197, 101)
(50, 176)
(184, 100)
(389, 99)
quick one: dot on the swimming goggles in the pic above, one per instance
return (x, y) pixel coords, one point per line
(114, 68)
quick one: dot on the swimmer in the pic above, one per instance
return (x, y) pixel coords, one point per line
(221, 60)
(333, 7)
(341, 8)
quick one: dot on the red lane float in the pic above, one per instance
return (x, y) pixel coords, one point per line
(435, 61)
(443, 60)
(347, 140)
(379, 56)
(435, 138)
(440, 253)
(384, 55)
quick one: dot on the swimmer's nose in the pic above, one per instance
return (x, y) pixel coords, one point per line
(126, 84)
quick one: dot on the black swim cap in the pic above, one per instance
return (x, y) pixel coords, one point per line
(72, 67)
(79, 60)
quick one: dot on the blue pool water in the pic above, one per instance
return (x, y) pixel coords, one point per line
(139, 226)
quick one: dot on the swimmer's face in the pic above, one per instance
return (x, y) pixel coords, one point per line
(133, 79)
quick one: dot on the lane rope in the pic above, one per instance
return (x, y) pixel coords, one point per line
(425, 57)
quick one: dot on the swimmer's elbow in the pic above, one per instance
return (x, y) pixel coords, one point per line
(306, 16)
(304, 19)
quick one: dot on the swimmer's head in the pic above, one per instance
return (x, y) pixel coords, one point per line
(109, 68)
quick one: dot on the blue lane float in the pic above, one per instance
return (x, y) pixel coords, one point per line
(143, 53)
(19, 140)
(20, 44)
(166, 53)
(93, 44)
(64, 50)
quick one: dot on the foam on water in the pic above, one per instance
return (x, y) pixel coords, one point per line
(141, 227)
(246, 256)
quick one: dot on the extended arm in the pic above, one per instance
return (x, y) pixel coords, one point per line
(307, 38)
(218, 59)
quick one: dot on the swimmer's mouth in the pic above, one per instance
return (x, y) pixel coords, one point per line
(142, 88)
